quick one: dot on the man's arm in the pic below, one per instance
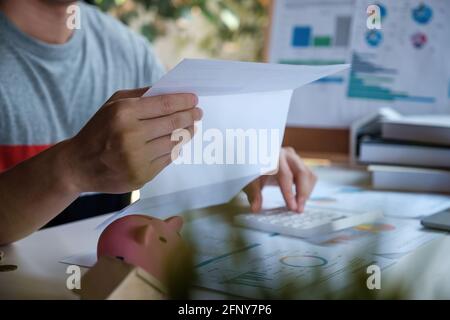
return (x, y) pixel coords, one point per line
(122, 147)
(34, 192)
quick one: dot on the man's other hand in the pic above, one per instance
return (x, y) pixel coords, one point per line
(292, 171)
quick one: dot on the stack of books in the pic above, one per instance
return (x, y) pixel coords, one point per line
(411, 153)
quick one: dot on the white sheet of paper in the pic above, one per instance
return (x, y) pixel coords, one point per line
(392, 204)
(220, 77)
(391, 238)
(233, 95)
(86, 260)
(404, 205)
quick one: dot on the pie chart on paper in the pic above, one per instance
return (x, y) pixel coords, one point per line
(303, 261)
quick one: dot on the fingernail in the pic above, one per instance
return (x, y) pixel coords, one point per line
(198, 114)
(293, 205)
(300, 202)
(194, 99)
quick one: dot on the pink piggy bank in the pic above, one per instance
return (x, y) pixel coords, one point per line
(142, 241)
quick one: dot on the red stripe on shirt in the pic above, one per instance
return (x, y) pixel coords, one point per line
(10, 155)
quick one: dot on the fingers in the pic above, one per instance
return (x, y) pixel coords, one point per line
(159, 127)
(156, 116)
(126, 94)
(163, 105)
(285, 180)
(157, 165)
(164, 145)
(254, 195)
(304, 179)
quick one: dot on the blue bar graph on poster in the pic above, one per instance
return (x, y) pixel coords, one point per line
(301, 37)
(371, 81)
(331, 79)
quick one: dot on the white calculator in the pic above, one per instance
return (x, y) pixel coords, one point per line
(313, 221)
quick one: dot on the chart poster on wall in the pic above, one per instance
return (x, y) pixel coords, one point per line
(314, 32)
(404, 65)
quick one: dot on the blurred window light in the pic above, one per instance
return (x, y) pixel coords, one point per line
(229, 19)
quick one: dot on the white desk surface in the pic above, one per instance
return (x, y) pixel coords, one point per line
(41, 276)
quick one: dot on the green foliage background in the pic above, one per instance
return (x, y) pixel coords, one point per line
(231, 20)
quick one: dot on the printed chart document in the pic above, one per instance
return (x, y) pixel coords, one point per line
(393, 204)
(388, 237)
(306, 32)
(267, 265)
(245, 107)
(255, 264)
(402, 65)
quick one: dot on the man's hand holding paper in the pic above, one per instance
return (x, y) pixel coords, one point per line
(136, 145)
(239, 138)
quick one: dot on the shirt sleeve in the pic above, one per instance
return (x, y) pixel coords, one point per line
(153, 69)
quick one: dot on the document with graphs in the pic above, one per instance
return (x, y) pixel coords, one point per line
(400, 62)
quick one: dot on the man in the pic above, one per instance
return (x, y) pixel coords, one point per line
(52, 82)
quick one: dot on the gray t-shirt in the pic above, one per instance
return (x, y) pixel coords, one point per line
(48, 92)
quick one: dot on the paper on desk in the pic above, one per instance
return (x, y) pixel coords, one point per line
(226, 238)
(392, 204)
(270, 262)
(85, 260)
(209, 245)
(234, 96)
(270, 266)
(391, 238)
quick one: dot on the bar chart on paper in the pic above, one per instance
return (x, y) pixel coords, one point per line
(302, 36)
(371, 81)
(313, 32)
(402, 63)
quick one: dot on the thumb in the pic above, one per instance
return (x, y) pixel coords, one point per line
(127, 94)
(254, 195)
